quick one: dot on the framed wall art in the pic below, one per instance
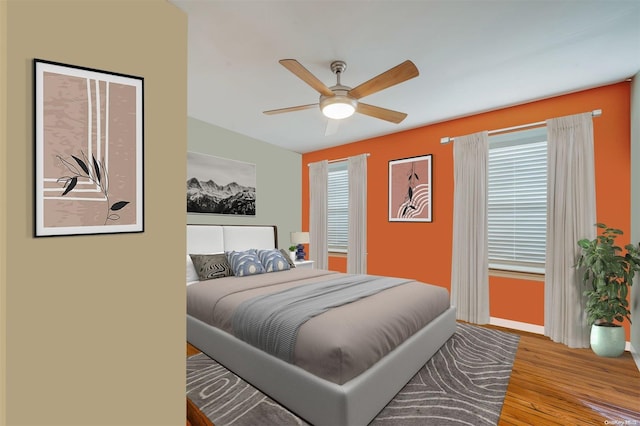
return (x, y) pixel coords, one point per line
(220, 185)
(411, 189)
(89, 176)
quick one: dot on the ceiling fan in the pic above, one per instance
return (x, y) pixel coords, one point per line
(338, 102)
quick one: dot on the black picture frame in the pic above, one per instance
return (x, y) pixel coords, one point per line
(89, 151)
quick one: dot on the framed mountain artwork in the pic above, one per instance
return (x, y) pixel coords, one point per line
(411, 189)
(220, 185)
(88, 151)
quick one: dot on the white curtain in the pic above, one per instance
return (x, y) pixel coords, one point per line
(357, 245)
(571, 216)
(470, 260)
(318, 250)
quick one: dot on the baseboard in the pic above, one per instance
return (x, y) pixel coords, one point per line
(539, 329)
(635, 355)
(517, 325)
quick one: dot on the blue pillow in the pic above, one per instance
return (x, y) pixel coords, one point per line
(273, 260)
(244, 263)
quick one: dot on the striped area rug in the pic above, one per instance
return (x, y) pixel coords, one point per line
(464, 383)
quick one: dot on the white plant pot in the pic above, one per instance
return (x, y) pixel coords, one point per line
(292, 254)
(607, 341)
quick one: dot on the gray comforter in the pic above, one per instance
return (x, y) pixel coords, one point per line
(271, 321)
(340, 343)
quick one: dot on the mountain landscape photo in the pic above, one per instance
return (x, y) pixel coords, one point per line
(220, 185)
(210, 197)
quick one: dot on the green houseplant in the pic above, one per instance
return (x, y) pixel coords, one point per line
(292, 253)
(608, 274)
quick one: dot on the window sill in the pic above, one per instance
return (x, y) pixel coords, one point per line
(337, 254)
(517, 275)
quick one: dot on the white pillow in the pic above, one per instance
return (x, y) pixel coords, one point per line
(192, 275)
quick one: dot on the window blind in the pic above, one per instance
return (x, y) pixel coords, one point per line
(517, 200)
(338, 207)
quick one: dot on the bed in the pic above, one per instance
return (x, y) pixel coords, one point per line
(325, 380)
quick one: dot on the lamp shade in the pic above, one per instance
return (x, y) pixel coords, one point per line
(299, 238)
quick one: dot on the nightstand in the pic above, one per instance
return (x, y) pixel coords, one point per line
(307, 264)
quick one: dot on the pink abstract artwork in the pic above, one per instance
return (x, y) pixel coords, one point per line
(89, 137)
(410, 189)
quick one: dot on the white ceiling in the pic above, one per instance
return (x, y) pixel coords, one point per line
(472, 56)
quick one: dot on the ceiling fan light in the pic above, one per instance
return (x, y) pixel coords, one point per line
(338, 107)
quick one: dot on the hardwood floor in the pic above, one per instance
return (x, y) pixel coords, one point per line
(553, 385)
(192, 350)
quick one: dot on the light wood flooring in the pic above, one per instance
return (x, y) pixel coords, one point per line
(553, 385)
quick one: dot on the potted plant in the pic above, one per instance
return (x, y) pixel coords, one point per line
(292, 253)
(607, 275)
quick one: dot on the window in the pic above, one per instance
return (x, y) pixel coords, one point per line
(338, 207)
(517, 200)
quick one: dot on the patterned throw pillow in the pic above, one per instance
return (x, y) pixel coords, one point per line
(245, 263)
(273, 260)
(210, 266)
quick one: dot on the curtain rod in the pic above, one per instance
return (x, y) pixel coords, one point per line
(445, 140)
(340, 159)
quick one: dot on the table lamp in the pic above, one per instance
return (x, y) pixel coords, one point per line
(300, 238)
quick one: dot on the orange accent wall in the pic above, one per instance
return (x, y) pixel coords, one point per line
(422, 251)
(517, 300)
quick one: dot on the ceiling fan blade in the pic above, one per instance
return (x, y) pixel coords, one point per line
(403, 72)
(290, 109)
(332, 127)
(381, 113)
(303, 74)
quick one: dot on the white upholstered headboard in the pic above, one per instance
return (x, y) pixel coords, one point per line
(209, 239)
(212, 239)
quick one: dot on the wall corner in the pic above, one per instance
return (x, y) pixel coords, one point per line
(635, 208)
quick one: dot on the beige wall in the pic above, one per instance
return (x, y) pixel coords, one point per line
(278, 186)
(3, 222)
(95, 325)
